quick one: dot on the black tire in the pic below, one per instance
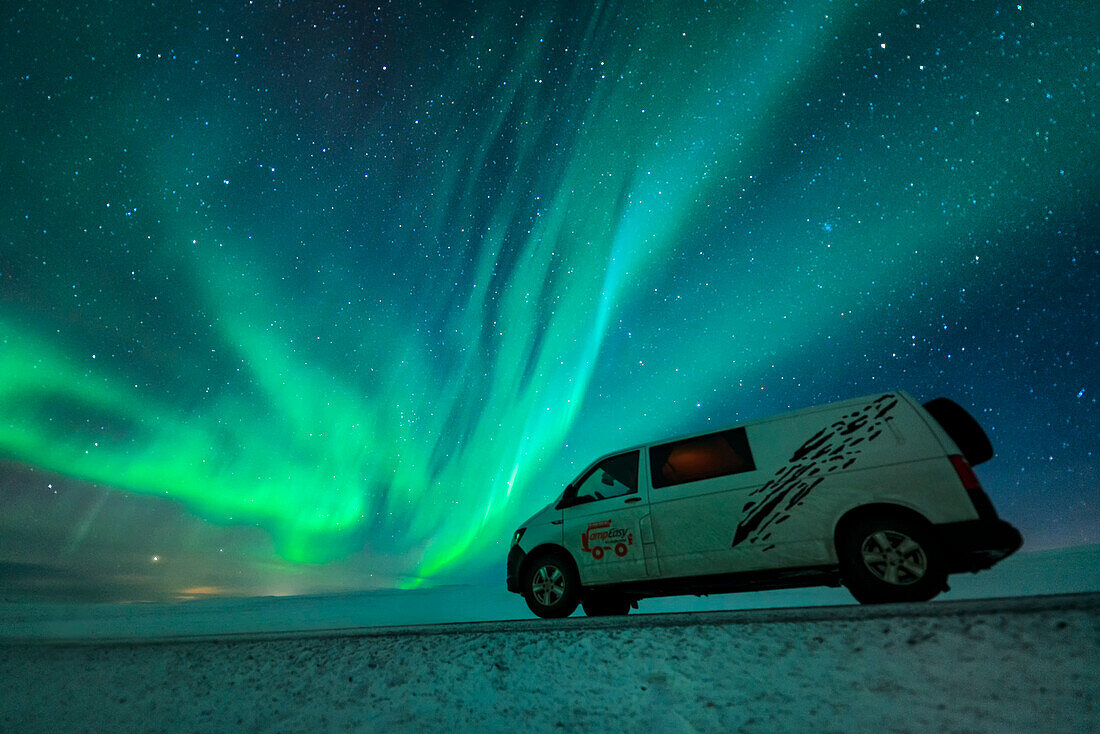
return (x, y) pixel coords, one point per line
(550, 586)
(606, 605)
(891, 558)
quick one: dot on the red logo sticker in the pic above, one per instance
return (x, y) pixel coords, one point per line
(600, 537)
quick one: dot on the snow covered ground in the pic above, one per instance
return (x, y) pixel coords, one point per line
(1007, 670)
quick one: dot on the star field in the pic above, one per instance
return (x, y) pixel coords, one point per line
(302, 296)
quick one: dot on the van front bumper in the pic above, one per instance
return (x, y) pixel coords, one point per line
(975, 545)
(515, 560)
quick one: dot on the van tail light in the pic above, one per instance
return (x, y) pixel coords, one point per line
(973, 488)
(966, 474)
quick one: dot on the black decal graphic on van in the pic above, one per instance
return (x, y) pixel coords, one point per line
(833, 448)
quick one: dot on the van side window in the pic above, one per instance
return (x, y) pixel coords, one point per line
(702, 457)
(612, 477)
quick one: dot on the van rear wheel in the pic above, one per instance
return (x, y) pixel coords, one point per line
(891, 558)
(551, 587)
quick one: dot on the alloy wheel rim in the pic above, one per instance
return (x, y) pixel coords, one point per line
(548, 585)
(894, 557)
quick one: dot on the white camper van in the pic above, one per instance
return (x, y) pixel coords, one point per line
(875, 493)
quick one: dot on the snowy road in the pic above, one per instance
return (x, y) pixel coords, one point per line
(1021, 664)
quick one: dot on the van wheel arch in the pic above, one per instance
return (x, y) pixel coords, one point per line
(878, 509)
(540, 551)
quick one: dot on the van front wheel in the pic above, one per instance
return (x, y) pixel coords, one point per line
(889, 558)
(551, 587)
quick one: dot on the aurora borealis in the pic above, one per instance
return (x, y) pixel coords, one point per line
(310, 296)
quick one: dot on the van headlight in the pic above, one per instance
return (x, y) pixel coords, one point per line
(518, 534)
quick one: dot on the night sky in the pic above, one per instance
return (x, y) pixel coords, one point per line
(303, 297)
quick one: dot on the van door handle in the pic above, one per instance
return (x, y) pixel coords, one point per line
(633, 499)
(555, 522)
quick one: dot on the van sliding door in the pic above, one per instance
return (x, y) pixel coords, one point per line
(700, 486)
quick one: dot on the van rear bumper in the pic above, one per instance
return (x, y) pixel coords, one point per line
(975, 545)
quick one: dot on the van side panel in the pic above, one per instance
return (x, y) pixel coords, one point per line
(699, 525)
(929, 487)
(813, 466)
